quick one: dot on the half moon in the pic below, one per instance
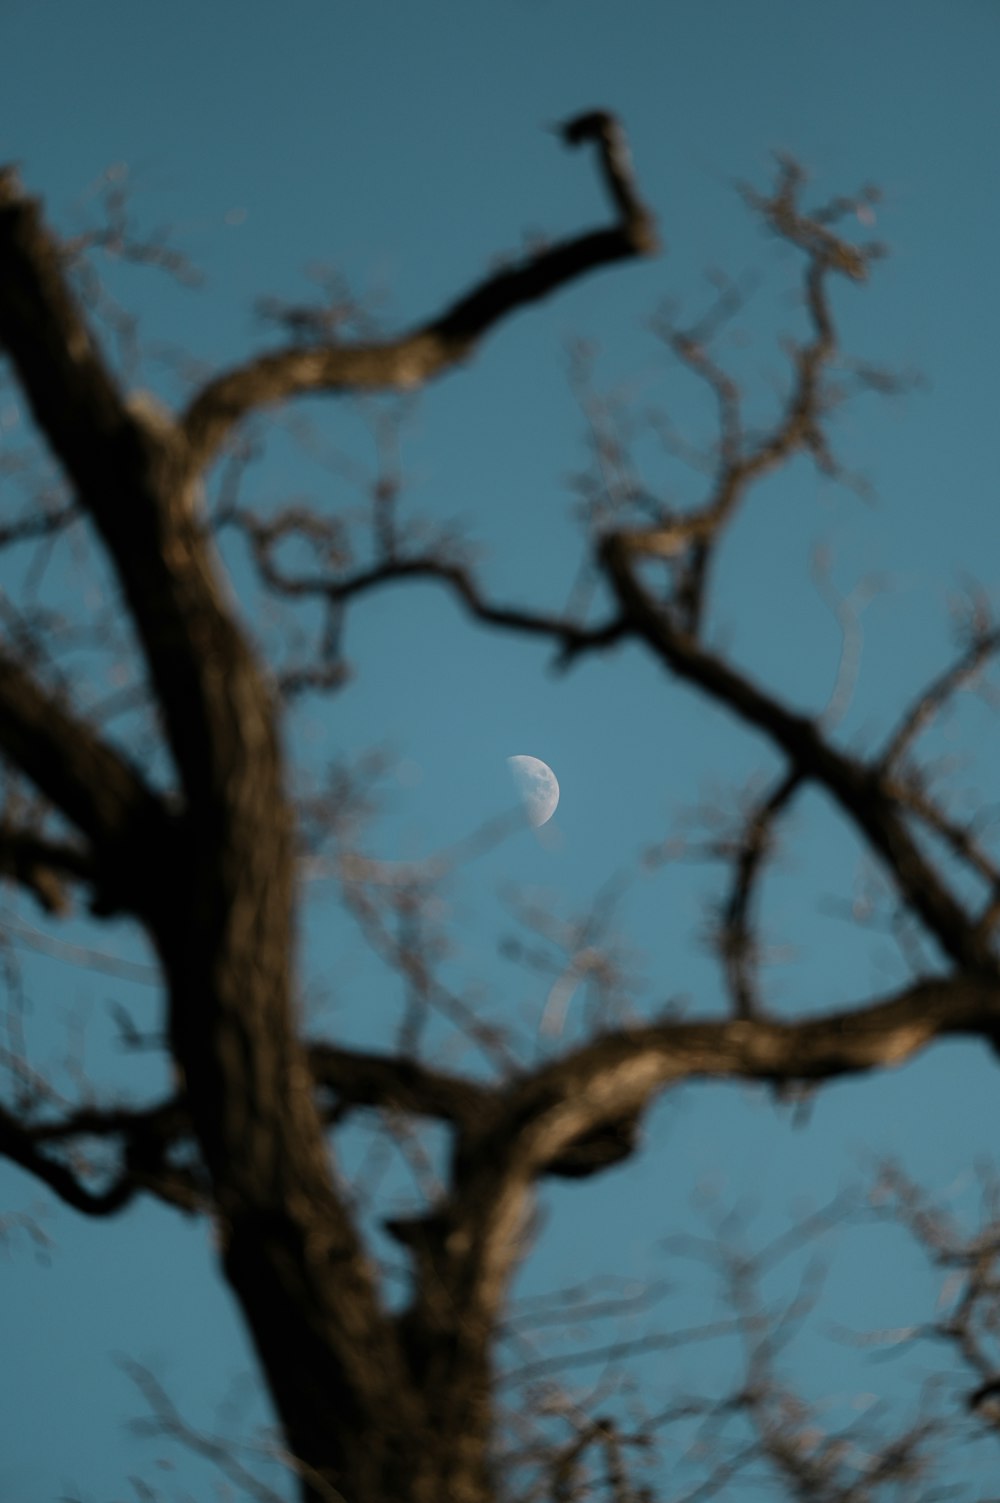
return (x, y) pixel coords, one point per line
(537, 787)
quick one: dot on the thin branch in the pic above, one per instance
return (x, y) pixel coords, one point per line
(165, 1420)
(736, 938)
(689, 539)
(932, 699)
(860, 790)
(38, 524)
(572, 637)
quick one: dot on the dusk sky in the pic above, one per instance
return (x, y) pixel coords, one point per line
(409, 147)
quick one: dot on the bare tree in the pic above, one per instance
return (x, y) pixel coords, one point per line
(186, 823)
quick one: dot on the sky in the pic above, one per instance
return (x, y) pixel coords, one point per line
(406, 147)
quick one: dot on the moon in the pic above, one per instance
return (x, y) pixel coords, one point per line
(537, 786)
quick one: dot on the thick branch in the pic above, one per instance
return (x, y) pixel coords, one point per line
(145, 1137)
(358, 1079)
(220, 914)
(446, 340)
(348, 1079)
(51, 347)
(353, 1079)
(475, 1239)
(125, 464)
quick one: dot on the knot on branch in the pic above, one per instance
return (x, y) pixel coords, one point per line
(601, 1148)
(11, 191)
(608, 134)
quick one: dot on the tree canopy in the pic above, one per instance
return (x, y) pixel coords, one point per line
(372, 1164)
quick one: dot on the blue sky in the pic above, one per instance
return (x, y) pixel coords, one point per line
(404, 145)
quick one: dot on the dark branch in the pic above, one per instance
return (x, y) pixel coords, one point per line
(859, 790)
(358, 1079)
(90, 784)
(736, 937)
(932, 699)
(690, 538)
(573, 638)
(434, 347)
(40, 865)
(19, 1145)
(473, 1240)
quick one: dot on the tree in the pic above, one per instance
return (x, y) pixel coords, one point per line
(192, 829)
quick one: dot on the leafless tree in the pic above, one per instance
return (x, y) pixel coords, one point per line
(185, 822)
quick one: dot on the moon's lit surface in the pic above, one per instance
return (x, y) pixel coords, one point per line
(537, 786)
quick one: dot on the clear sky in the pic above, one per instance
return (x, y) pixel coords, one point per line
(404, 145)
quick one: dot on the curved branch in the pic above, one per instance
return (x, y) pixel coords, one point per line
(40, 865)
(573, 637)
(552, 1111)
(471, 1243)
(689, 539)
(736, 938)
(352, 1079)
(860, 791)
(88, 782)
(934, 696)
(18, 1145)
(126, 460)
(434, 347)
